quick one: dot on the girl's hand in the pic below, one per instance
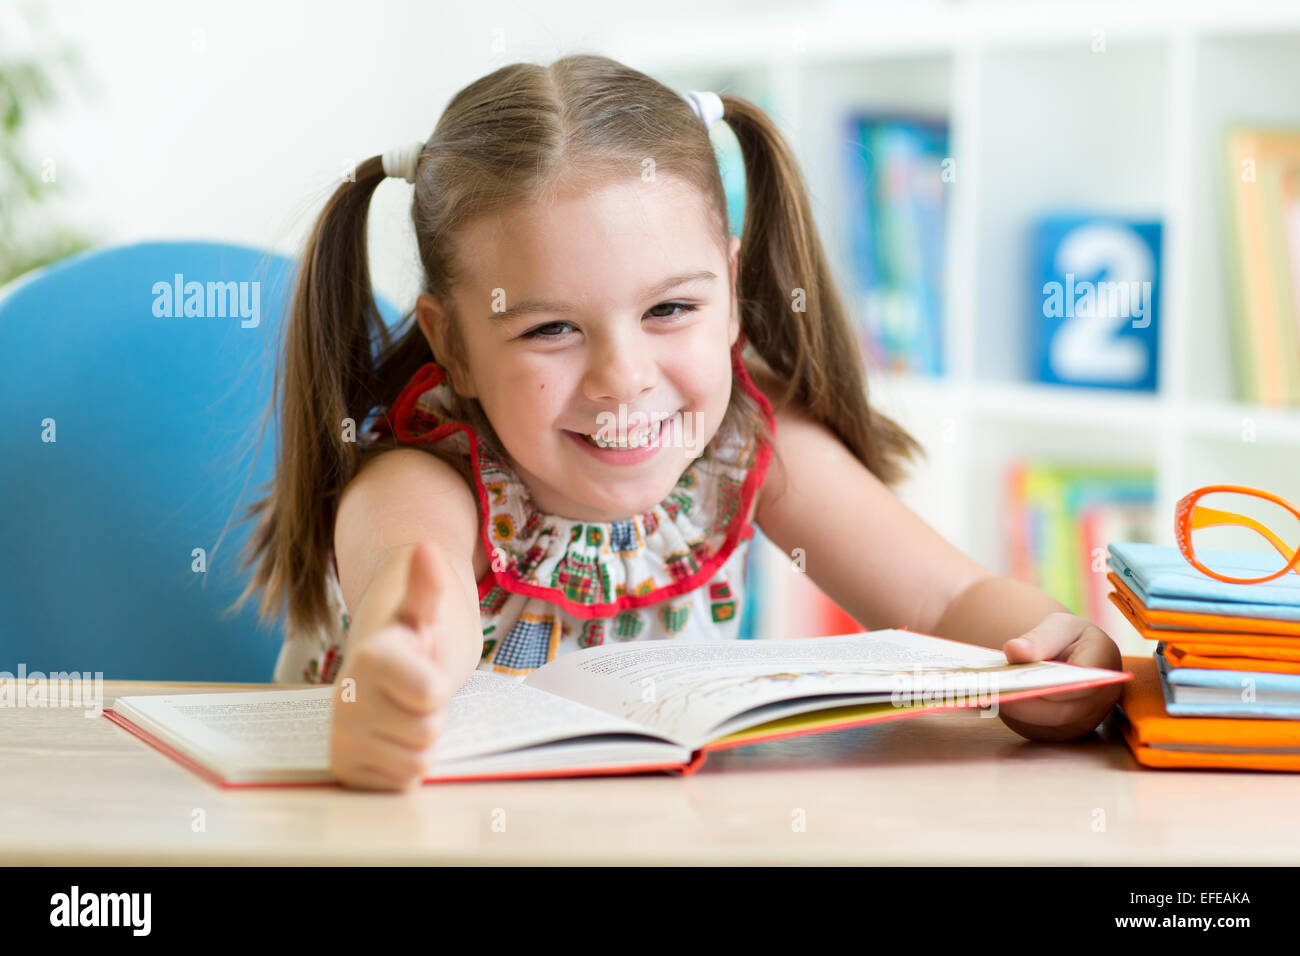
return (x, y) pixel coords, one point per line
(1062, 637)
(390, 705)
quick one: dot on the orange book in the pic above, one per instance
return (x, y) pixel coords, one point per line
(1228, 743)
(1265, 659)
(1173, 625)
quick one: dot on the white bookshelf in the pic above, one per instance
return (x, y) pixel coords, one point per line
(1038, 120)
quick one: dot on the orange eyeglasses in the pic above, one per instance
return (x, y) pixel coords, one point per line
(1222, 527)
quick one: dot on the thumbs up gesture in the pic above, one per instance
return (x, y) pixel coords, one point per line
(390, 705)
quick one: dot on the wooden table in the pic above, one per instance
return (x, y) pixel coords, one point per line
(951, 788)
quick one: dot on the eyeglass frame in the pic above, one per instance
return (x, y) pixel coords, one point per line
(1185, 522)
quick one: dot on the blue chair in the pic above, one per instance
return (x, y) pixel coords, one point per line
(156, 419)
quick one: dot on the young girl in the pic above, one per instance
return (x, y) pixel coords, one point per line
(598, 396)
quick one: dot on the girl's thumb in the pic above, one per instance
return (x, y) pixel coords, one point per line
(418, 608)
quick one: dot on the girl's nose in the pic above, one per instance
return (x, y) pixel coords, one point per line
(619, 372)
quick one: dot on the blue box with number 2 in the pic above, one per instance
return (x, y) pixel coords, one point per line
(1095, 307)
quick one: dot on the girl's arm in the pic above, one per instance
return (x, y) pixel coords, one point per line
(400, 499)
(879, 561)
(868, 551)
(404, 540)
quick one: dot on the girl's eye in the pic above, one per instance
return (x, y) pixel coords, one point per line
(537, 332)
(540, 333)
(684, 306)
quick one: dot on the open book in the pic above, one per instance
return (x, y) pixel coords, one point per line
(624, 708)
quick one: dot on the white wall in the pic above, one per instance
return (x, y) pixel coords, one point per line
(230, 120)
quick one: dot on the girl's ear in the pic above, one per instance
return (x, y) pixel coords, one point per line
(733, 326)
(437, 326)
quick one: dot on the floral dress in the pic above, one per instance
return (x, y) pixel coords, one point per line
(557, 585)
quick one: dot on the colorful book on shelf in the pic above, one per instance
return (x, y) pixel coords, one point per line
(896, 203)
(625, 708)
(1260, 242)
(751, 606)
(1099, 524)
(1290, 197)
(1015, 520)
(1276, 184)
(1060, 517)
(1158, 739)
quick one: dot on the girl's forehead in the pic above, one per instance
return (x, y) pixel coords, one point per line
(626, 224)
(621, 205)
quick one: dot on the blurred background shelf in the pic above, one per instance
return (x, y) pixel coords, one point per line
(1112, 108)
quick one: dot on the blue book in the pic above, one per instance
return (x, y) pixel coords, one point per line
(1163, 580)
(900, 315)
(859, 199)
(754, 585)
(1229, 679)
(896, 201)
(1192, 692)
(914, 191)
(864, 244)
(917, 150)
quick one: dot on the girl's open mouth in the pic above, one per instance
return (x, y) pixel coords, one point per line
(643, 438)
(635, 449)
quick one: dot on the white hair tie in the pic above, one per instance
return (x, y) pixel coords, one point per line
(402, 161)
(707, 106)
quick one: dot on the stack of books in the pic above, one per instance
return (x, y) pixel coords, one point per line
(1223, 687)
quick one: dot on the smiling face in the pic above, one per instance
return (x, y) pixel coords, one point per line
(568, 322)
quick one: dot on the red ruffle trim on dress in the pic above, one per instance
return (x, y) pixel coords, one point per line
(431, 375)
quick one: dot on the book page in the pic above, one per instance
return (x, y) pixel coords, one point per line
(288, 730)
(492, 713)
(688, 690)
(233, 731)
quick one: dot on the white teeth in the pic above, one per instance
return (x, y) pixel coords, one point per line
(644, 439)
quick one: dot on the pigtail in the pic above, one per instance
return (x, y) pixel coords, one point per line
(328, 375)
(814, 349)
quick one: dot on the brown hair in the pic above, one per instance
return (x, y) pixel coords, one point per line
(502, 140)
